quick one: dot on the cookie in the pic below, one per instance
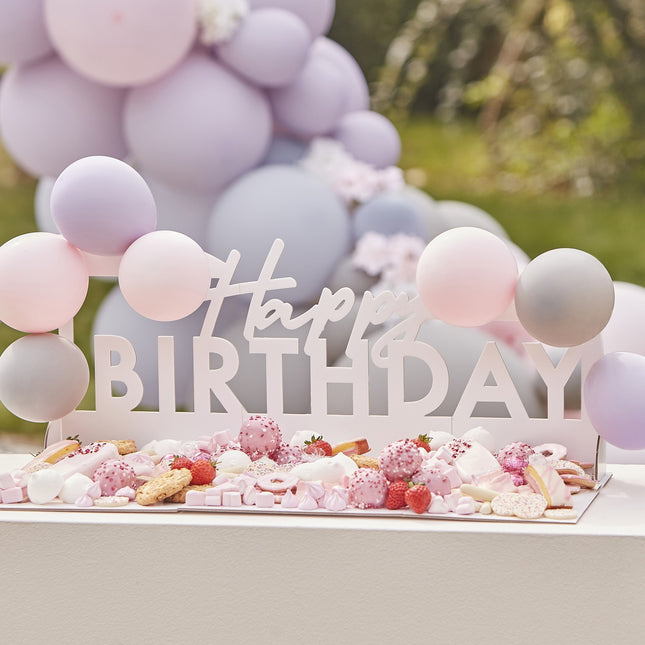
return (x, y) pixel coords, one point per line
(180, 497)
(124, 446)
(163, 486)
(365, 462)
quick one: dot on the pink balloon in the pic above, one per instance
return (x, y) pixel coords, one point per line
(269, 48)
(370, 137)
(50, 116)
(121, 42)
(624, 331)
(23, 35)
(199, 127)
(466, 276)
(313, 104)
(164, 275)
(43, 282)
(102, 205)
(317, 14)
(358, 94)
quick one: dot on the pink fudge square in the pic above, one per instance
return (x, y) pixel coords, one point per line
(12, 495)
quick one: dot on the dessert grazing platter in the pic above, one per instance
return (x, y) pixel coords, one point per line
(256, 470)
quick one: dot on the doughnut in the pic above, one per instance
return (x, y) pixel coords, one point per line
(552, 451)
(277, 482)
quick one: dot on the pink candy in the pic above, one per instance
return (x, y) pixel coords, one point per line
(114, 474)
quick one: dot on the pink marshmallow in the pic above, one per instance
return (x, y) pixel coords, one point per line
(196, 498)
(249, 496)
(13, 495)
(6, 481)
(232, 498)
(264, 499)
(452, 500)
(212, 497)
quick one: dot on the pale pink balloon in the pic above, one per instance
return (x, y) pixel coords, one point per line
(121, 42)
(624, 331)
(466, 276)
(23, 35)
(51, 116)
(164, 275)
(43, 282)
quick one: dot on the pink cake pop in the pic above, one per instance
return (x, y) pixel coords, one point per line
(367, 488)
(288, 455)
(514, 458)
(260, 436)
(114, 474)
(400, 460)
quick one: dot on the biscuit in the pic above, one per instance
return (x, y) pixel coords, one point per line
(163, 486)
(365, 462)
(180, 497)
(124, 446)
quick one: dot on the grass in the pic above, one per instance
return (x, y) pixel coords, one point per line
(451, 162)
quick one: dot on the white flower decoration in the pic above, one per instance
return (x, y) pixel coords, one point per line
(219, 19)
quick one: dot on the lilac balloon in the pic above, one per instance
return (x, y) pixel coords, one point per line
(120, 42)
(624, 331)
(388, 214)
(50, 116)
(102, 205)
(282, 202)
(269, 48)
(23, 35)
(358, 94)
(199, 127)
(313, 104)
(317, 14)
(369, 137)
(613, 395)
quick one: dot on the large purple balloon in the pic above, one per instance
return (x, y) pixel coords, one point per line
(23, 35)
(358, 94)
(369, 137)
(269, 48)
(102, 205)
(613, 395)
(289, 203)
(50, 116)
(317, 14)
(313, 104)
(120, 42)
(199, 127)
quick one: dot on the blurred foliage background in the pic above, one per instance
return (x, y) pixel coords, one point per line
(533, 110)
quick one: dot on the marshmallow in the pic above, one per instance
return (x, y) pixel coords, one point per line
(6, 481)
(213, 497)
(74, 487)
(12, 495)
(232, 498)
(196, 498)
(264, 499)
(44, 486)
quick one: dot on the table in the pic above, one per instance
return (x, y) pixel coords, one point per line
(131, 578)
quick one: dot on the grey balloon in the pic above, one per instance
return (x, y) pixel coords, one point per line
(284, 150)
(460, 348)
(564, 297)
(389, 213)
(289, 203)
(43, 377)
(428, 209)
(348, 275)
(462, 214)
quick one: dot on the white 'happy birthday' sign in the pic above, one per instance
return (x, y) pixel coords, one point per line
(399, 317)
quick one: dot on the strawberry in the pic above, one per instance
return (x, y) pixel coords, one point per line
(422, 441)
(203, 472)
(418, 498)
(181, 462)
(396, 495)
(318, 446)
